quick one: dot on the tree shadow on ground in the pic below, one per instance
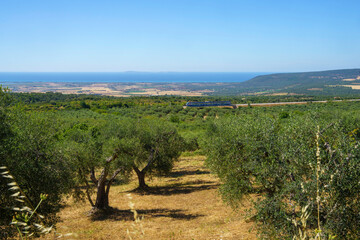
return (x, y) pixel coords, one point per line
(187, 172)
(126, 215)
(181, 188)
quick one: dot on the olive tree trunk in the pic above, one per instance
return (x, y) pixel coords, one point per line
(102, 196)
(103, 185)
(141, 173)
(141, 178)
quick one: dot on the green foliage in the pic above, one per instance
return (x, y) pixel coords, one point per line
(25, 214)
(27, 149)
(276, 159)
(140, 144)
(284, 114)
(83, 104)
(313, 83)
(5, 98)
(87, 147)
(174, 119)
(55, 142)
(38, 166)
(149, 137)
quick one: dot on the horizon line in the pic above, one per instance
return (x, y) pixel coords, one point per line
(159, 72)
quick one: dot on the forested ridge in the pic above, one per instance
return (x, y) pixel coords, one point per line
(298, 164)
(315, 83)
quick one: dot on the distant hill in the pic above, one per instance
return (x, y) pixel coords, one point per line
(330, 83)
(323, 82)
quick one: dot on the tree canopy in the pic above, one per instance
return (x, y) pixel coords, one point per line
(27, 150)
(154, 148)
(279, 162)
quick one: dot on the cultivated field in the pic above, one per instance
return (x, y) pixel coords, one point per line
(113, 89)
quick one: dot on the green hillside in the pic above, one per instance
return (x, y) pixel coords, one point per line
(344, 81)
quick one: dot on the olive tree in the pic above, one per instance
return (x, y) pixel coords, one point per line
(155, 146)
(5, 136)
(289, 165)
(27, 150)
(92, 149)
(116, 147)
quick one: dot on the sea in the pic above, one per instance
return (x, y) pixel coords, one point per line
(127, 77)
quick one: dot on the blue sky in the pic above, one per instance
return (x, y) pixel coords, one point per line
(182, 35)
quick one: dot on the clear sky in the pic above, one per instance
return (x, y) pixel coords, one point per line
(179, 35)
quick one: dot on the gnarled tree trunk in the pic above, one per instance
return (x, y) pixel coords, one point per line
(103, 185)
(141, 178)
(141, 173)
(102, 196)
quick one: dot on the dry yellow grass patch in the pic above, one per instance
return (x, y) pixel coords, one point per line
(158, 92)
(357, 87)
(96, 89)
(184, 205)
(315, 89)
(279, 94)
(108, 89)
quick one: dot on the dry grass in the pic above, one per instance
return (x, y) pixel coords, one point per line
(278, 94)
(184, 205)
(157, 92)
(109, 89)
(315, 89)
(357, 87)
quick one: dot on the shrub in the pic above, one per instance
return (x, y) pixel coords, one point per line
(277, 161)
(27, 149)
